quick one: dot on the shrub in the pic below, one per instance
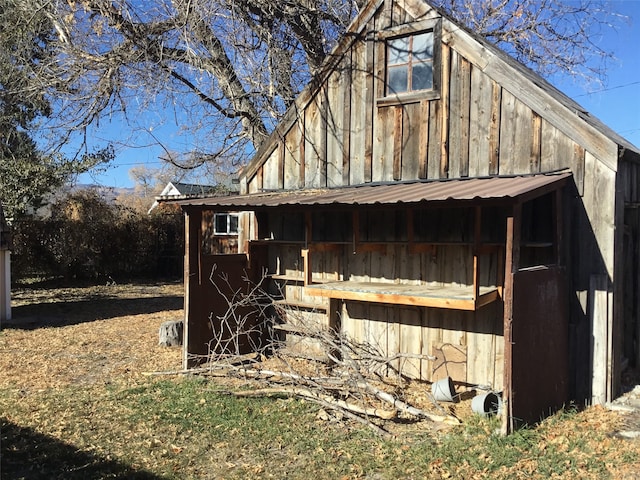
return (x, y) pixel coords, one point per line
(87, 237)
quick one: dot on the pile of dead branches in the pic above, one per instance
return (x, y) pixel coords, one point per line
(352, 379)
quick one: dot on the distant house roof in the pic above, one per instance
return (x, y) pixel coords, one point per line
(4, 231)
(188, 189)
(184, 190)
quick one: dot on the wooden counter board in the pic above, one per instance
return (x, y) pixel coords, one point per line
(452, 297)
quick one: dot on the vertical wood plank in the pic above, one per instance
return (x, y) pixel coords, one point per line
(494, 130)
(536, 144)
(512, 258)
(465, 107)
(459, 111)
(394, 336)
(444, 114)
(347, 80)
(476, 247)
(523, 139)
(397, 142)
(411, 137)
(508, 133)
(359, 106)
(382, 165)
(312, 149)
(301, 152)
(324, 133)
(291, 157)
(369, 107)
(516, 136)
(433, 148)
(577, 166)
(270, 171)
(193, 222)
(411, 341)
(599, 313)
(559, 151)
(480, 122)
(335, 127)
(281, 159)
(386, 15)
(423, 139)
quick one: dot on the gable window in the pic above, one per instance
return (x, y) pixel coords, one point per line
(410, 61)
(225, 224)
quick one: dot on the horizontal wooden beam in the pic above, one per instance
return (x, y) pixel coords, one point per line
(454, 298)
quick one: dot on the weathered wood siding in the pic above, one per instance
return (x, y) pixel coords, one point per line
(489, 117)
(341, 136)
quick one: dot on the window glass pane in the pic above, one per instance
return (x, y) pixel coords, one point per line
(221, 223)
(398, 80)
(233, 224)
(399, 50)
(422, 76)
(423, 46)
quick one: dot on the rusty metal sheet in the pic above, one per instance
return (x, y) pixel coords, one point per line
(540, 368)
(462, 189)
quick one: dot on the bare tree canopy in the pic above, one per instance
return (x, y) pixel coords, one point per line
(227, 70)
(551, 36)
(27, 174)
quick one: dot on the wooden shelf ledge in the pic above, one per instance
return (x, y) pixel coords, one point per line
(301, 305)
(450, 297)
(287, 278)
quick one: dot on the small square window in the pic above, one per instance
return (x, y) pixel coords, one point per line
(225, 224)
(410, 63)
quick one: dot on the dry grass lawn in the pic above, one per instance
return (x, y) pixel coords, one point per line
(75, 403)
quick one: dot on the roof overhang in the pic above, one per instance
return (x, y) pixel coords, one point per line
(497, 189)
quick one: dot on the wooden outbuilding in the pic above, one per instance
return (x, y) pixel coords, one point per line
(426, 193)
(5, 269)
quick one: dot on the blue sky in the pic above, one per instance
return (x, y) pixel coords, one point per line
(617, 104)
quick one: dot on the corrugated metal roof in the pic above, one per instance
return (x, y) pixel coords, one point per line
(465, 189)
(194, 189)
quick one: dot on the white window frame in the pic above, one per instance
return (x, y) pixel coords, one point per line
(228, 230)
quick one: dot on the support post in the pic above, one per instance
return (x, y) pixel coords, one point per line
(477, 232)
(5, 285)
(512, 260)
(193, 227)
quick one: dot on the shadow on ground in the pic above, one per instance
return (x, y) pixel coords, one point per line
(65, 312)
(26, 454)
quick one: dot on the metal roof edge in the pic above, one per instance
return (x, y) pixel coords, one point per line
(389, 193)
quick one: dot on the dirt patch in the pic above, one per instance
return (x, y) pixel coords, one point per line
(86, 335)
